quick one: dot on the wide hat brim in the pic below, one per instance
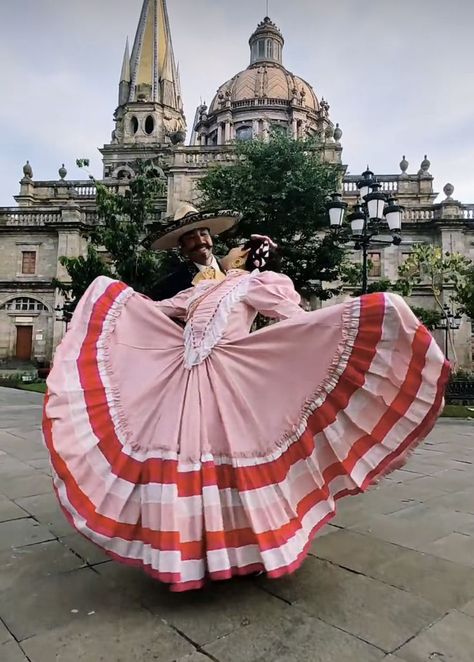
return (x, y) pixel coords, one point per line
(160, 240)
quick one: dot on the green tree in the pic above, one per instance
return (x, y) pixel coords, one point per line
(281, 188)
(428, 265)
(82, 271)
(464, 294)
(115, 243)
(352, 279)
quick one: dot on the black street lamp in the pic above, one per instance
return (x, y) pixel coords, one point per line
(449, 322)
(372, 208)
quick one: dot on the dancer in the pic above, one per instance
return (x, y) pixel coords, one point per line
(207, 452)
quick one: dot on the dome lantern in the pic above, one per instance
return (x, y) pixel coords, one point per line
(266, 43)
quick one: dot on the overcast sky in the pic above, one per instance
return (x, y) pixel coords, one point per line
(399, 76)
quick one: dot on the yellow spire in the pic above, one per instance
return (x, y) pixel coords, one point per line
(153, 71)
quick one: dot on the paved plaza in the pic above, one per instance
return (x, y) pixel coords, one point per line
(392, 577)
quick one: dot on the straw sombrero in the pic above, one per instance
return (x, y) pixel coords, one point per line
(186, 219)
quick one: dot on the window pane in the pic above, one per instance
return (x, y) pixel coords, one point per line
(244, 133)
(28, 262)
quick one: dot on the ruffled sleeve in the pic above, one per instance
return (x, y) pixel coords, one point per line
(273, 295)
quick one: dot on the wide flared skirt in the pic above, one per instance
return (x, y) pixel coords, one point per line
(196, 474)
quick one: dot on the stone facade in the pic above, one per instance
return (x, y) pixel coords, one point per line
(51, 218)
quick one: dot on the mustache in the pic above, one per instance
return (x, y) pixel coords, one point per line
(203, 245)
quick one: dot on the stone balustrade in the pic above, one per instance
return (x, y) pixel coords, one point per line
(468, 212)
(18, 216)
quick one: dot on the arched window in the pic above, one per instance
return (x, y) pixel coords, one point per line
(23, 305)
(149, 125)
(244, 133)
(134, 124)
(269, 49)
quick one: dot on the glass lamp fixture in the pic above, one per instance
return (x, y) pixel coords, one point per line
(393, 215)
(337, 210)
(365, 184)
(376, 202)
(357, 221)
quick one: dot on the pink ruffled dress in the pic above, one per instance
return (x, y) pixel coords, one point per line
(210, 451)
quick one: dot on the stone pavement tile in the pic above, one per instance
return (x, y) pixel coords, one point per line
(414, 527)
(205, 615)
(125, 635)
(9, 510)
(5, 635)
(382, 615)
(407, 569)
(298, 638)
(454, 480)
(433, 512)
(456, 547)
(468, 608)
(442, 583)
(462, 501)
(22, 448)
(23, 566)
(402, 475)
(357, 551)
(16, 487)
(450, 639)
(194, 657)
(10, 466)
(61, 600)
(87, 550)
(12, 652)
(45, 509)
(421, 489)
(21, 532)
(42, 465)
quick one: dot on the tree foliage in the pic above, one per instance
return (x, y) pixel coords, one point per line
(281, 188)
(115, 243)
(352, 278)
(428, 265)
(464, 294)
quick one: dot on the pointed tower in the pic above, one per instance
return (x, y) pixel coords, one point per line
(150, 111)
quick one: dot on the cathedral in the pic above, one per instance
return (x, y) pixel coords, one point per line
(51, 218)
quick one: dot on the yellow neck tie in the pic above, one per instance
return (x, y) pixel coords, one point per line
(209, 273)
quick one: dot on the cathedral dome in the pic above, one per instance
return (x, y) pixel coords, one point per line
(265, 84)
(263, 99)
(266, 81)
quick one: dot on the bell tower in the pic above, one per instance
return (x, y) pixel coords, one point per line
(150, 113)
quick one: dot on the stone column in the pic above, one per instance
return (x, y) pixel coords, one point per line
(219, 134)
(294, 127)
(255, 128)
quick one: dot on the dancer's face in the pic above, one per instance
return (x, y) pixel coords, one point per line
(197, 246)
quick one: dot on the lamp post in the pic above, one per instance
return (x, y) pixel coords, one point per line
(372, 208)
(449, 322)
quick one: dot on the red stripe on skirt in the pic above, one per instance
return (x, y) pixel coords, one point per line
(170, 540)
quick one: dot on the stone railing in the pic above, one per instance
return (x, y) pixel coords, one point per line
(389, 183)
(29, 216)
(420, 214)
(201, 156)
(251, 103)
(468, 212)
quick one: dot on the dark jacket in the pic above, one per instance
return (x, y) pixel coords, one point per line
(177, 281)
